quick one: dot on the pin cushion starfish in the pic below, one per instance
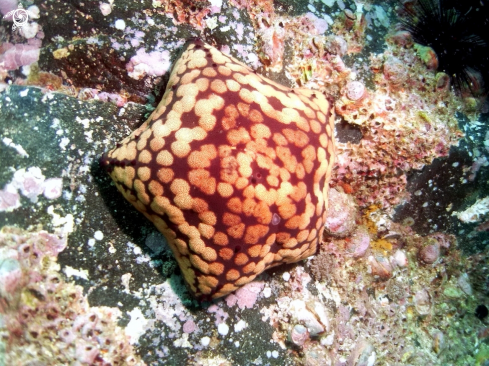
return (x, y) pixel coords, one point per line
(232, 168)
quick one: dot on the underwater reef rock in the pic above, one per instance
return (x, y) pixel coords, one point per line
(118, 51)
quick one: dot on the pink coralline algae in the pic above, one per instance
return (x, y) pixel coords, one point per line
(31, 183)
(53, 188)
(154, 63)
(105, 9)
(13, 56)
(9, 198)
(320, 25)
(7, 6)
(246, 296)
(40, 311)
(220, 315)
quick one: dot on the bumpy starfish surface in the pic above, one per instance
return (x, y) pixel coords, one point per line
(232, 168)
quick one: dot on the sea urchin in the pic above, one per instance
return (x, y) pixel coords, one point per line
(454, 36)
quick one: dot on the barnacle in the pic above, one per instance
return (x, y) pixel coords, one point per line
(232, 168)
(354, 104)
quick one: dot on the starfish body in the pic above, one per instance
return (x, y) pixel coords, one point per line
(232, 168)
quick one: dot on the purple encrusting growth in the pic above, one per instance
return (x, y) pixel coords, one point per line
(31, 183)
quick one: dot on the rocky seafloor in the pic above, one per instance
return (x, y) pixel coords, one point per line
(401, 277)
